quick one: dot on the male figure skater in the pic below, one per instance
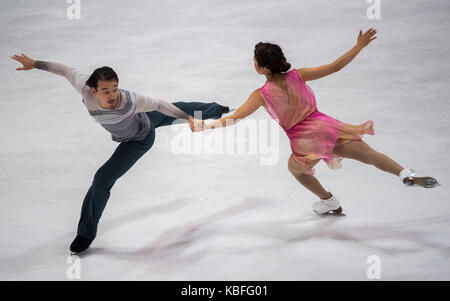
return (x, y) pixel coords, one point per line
(131, 118)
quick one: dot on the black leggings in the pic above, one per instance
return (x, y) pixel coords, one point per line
(123, 158)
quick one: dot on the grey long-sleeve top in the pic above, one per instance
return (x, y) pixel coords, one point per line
(128, 121)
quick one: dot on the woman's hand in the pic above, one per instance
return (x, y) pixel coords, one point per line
(365, 39)
(28, 63)
(196, 125)
(211, 125)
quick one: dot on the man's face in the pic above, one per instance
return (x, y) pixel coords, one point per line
(107, 94)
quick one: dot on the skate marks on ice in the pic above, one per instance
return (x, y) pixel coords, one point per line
(390, 238)
(170, 249)
(173, 249)
(59, 246)
(184, 245)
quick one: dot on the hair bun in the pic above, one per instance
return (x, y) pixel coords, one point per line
(285, 67)
(271, 56)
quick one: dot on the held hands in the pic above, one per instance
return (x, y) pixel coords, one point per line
(214, 124)
(196, 125)
(366, 38)
(28, 63)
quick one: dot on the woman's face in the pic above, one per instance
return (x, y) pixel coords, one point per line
(258, 69)
(255, 63)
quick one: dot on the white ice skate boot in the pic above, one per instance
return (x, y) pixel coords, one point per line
(410, 177)
(330, 205)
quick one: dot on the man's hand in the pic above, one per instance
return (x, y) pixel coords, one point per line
(365, 39)
(196, 125)
(28, 63)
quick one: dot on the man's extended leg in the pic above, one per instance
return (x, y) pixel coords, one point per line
(123, 158)
(210, 110)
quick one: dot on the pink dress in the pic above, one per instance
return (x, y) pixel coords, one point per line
(312, 134)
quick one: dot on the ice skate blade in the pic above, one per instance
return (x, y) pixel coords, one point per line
(337, 212)
(78, 253)
(427, 182)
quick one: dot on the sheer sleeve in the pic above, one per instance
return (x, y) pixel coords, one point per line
(147, 104)
(76, 78)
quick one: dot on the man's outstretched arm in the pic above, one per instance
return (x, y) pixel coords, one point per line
(147, 104)
(76, 78)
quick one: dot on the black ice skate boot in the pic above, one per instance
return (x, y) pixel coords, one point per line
(79, 244)
(226, 109)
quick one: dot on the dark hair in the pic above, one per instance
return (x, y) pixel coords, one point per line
(271, 56)
(104, 73)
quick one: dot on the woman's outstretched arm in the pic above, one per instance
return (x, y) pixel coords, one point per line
(322, 71)
(254, 101)
(76, 78)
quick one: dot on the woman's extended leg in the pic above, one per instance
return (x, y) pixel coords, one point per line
(309, 181)
(361, 151)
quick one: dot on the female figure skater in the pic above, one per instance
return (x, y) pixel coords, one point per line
(131, 118)
(313, 135)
